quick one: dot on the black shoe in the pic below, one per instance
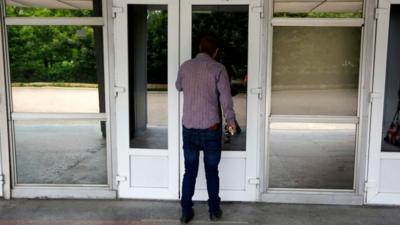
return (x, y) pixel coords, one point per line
(187, 218)
(217, 215)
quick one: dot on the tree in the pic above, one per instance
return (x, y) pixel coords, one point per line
(51, 53)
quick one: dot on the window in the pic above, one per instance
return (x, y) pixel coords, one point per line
(52, 8)
(390, 142)
(58, 88)
(315, 70)
(318, 8)
(315, 75)
(57, 69)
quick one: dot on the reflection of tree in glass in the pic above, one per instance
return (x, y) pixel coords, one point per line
(157, 50)
(320, 14)
(231, 28)
(51, 53)
(44, 12)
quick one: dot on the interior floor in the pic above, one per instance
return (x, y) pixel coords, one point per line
(312, 159)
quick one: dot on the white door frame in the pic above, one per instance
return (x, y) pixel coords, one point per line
(250, 190)
(125, 153)
(8, 148)
(374, 195)
(4, 153)
(325, 196)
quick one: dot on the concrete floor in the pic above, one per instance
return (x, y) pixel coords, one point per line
(129, 212)
(60, 152)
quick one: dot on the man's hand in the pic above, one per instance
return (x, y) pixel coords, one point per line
(231, 126)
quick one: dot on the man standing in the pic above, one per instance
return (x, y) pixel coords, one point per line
(205, 84)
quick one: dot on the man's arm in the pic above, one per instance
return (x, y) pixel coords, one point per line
(178, 83)
(225, 97)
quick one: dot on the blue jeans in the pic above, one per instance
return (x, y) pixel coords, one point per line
(209, 141)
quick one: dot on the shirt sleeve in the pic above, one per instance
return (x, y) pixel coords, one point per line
(178, 83)
(225, 97)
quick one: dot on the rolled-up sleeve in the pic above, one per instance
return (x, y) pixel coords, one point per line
(225, 97)
(178, 83)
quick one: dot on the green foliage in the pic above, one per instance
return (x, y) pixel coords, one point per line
(231, 29)
(43, 12)
(232, 36)
(52, 54)
(157, 52)
(57, 54)
(321, 15)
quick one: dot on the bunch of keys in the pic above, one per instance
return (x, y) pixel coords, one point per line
(229, 131)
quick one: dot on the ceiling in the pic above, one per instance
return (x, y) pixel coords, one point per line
(301, 6)
(53, 4)
(291, 6)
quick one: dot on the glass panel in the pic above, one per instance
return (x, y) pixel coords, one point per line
(148, 76)
(57, 68)
(230, 25)
(391, 124)
(309, 155)
(318, 8)
(315, 70)
(52, 8)
(60, 152)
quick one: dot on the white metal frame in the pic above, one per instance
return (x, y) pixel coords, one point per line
(63, 190)
(4, 150)
(324, 196)
(254, 104)
(374, 195)
(122, 105)
(48, 21)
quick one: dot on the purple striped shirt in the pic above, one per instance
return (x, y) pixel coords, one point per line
(203, 80)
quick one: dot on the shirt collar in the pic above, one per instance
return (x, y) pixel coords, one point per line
(203, 55)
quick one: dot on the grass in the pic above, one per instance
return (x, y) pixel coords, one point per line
(55, 84)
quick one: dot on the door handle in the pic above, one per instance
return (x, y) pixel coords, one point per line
(257, 91)
(118, 90)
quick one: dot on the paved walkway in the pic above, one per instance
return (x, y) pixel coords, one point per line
(128, 212)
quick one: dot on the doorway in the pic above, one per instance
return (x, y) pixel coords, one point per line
(383, 183)
(150, 160)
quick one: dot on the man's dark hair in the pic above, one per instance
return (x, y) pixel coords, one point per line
(208, 44)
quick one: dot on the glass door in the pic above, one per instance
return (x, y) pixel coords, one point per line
(236, 24)
(146, 44)
(313, 143)
(383, 185)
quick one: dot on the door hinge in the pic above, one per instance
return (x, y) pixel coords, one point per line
(380, 11)
(116, 10)
(259, 9)
(373, 96)
(120, 179)
(1, 179)
(254, 181)
(257, 91)
(118, 90)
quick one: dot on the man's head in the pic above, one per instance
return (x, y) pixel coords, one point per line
(209, 45)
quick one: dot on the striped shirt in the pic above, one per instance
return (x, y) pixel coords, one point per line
(205, 84)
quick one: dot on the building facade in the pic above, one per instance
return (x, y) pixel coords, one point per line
(89, 108)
